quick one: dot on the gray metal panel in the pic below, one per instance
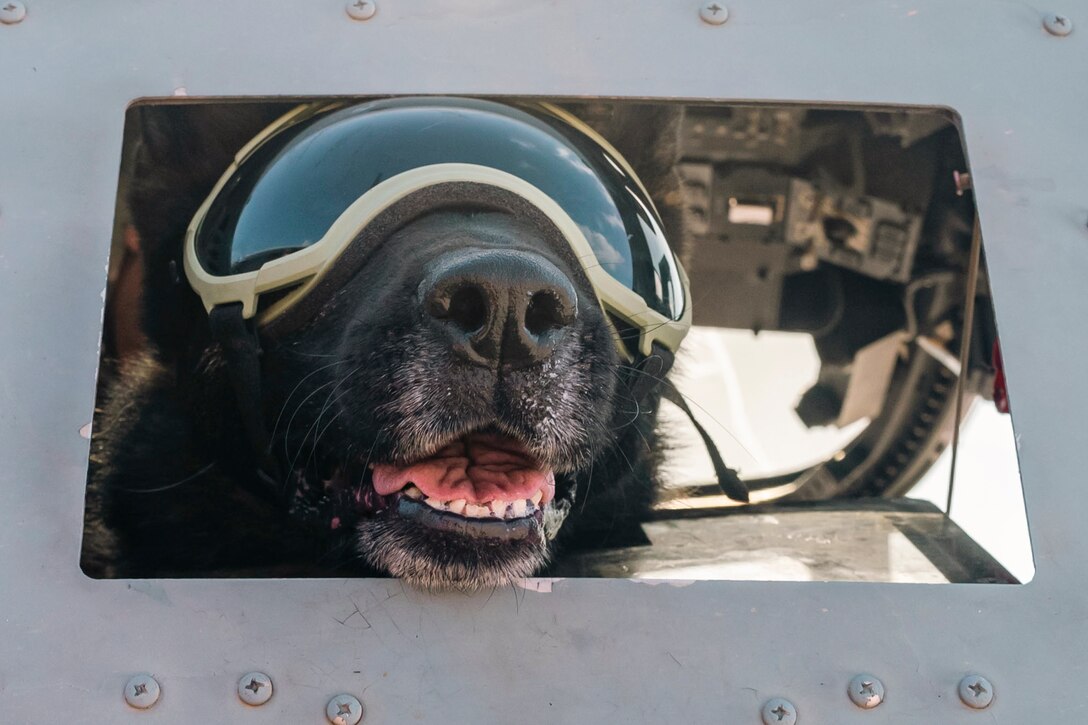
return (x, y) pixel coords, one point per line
(588, 651)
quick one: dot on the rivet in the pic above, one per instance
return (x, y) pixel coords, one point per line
(361, 9)
(713, 13)
(976, 691)
(778, 711)
(344, 710)
(142, 691)
(12, 12)
(255, 688)
(866, 691)
(1059, 25)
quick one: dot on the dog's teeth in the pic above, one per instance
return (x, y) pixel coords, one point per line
(537, 497)
(476, 511)
(413, 492)
(434, 503)
(519, 507)
(498, 508)
(457, 506)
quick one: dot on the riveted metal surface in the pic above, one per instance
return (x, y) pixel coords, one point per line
(255, 688)
(704, 652)
(778, 711)
(1059, 25)
(344, 710)
(142, 691)
(12, 12)
(976, 692)
(361, 9)
(714, 13)
(866, 691)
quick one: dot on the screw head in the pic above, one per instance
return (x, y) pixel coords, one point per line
(344, 710)
(361, 9)
(1059, 25)
(866, 691)
(12, 12)
(976, 691)
(142, 691)
(713, 13)
(779, 711)
(255, 688)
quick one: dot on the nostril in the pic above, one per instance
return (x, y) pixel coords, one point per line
(545, 312)
(468, 309)
(497, 307)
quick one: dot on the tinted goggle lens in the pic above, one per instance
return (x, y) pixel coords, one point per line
(288, 192)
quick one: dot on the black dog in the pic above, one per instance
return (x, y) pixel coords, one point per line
(384, 385)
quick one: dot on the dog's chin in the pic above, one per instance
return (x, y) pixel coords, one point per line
(478, 512)
(444, 551)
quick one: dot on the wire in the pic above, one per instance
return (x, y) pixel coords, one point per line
(930, 280)
(965, 350)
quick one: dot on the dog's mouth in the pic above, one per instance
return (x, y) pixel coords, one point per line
(484, 485)
(481, 476)
(477, 511)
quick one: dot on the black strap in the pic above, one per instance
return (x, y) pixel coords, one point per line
(728, 480)
(649, 374)
(242, 351)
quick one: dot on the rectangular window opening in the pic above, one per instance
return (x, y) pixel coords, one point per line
(430, 321)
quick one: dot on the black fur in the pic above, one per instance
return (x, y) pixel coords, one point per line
(174, 486)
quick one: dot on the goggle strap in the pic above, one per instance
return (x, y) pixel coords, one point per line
(237, 338)
(728, 480)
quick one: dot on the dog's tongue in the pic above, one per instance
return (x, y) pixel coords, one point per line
(479, 468)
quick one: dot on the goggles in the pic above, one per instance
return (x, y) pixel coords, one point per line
(303, 193)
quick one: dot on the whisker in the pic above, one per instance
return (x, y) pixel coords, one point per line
(317, 421)
(619, 449)
(298, 408)
(589, 485)
(169, 486)
(319, 435)
(370, 455)
(329, 401)
(292, 393)
(308, 354)
(691, 401)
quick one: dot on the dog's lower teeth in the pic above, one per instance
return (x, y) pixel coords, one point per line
(476, 512)
(493, 509)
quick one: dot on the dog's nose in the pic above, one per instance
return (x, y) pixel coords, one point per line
(499, 307)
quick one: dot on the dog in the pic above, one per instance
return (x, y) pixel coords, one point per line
(379, 406)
